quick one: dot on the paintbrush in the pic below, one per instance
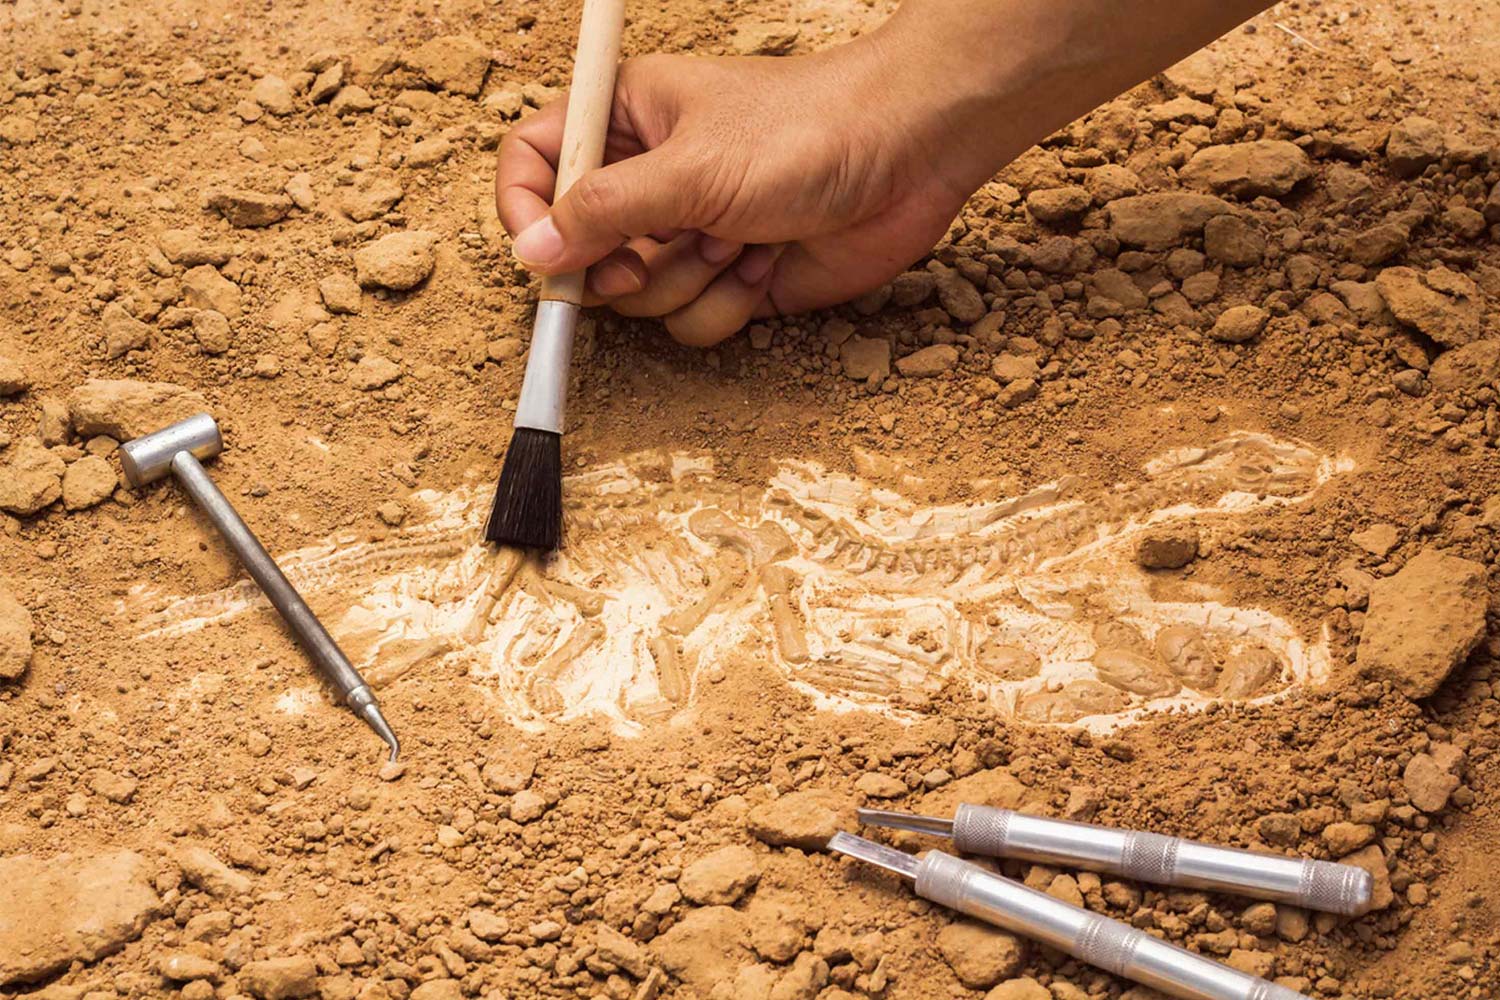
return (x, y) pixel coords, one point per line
(528, 500)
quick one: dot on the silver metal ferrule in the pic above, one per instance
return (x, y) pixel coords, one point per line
(1089, 937)
(1152, 857)
(544, 391)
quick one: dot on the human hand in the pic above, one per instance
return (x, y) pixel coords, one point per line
(736, 188)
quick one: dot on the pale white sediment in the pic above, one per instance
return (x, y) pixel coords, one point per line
(863, 598)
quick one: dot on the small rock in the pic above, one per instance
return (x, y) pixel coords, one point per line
(488, 925)
(392, 512)
(1427, 783)
(720, 878)
(1167, 548)
(399, 261)
(1164, 220)
(705, 948)
(980, 955)
(765, 39)
(879, 786)
(1379, 243)
(1231, 240)
(1414, 144)
(274, 94)
(88, 481)
(202, 869)
(438, 989)
(527, 806)
(866, 358)
(31, 480)
(13, 379)
(123, 333)
(187, 248)
(1372, 860)
(15, 636)
(1346, 838)
(804, 819)
(212, 331)
(928, 361)
(69, 908)
(1423, 621)
(617, 949)
(280, 978)
(249, 209)
(1024, 988)
(125, 409)
(203, 287)
(455, 63)
(1379, 539)
(340, 293)
(1248, 169)
(351, 100)
(429, 152)
(326, 84)
(1440, 303)
(375, 193)
(958, 297)
(1061, 204)
(372, 372)
(184, 966)
(506, 99)
(1238, 324)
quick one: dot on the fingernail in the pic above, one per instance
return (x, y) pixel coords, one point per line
(539, 244)
(611, 279)
(715, 250)
(756, 264)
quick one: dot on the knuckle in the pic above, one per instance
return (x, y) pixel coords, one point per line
(595, 195)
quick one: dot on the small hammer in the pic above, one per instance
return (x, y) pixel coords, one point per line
(177, 449)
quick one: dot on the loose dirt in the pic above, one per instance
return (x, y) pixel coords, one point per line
(1163, 494)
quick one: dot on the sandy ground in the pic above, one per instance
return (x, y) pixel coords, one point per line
(1163, 494)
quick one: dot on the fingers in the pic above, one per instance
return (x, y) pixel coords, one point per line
(729, 302)
(526, 171)
(622, 273)
(679, 272)
(648, 193)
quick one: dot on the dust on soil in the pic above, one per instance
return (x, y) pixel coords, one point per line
(194, 195)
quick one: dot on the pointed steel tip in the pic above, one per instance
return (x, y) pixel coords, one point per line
(371, 714)
(932, 825)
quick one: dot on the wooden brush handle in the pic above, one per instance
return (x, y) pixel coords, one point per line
(589, 103)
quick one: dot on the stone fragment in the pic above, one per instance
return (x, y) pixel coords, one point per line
(280, 978)
(88, 481)
(372, 372)
(117, 788)
(1422, 622)
(340, 294)
(1167, 548)
(1231, 240)
(69, 908)
(123, 333)
(1346, 838)
(1428, 784)
(617, 949)
(248, 209)
(1248, 672)
(958, 297)
(375, 193)
(13, 378)
(31, 480)
(720, 878)
(1372, 860)
(1238, 324)
(274, 94)
(488, 925)
(1163, 220)
(15, 635)
(455, 63)
(1024, 988)
(125, 409)
(212, 331)
(705, 948)
(767, 38)
(438, 989)
(527, 806)
(1061, 204)
(326, 84)
(1134, 672)
(1188, 655)
(1111, 181)
(865, 358)
(351, 100)
(1248, 169)
(429, 152)
(804, 819)
(879, 786)
(928, 361)
(980, 955)
(187, 248)
(1379, 539)
(399, 261)
(1440, 303)
(1379, 243)
(202, 869)
(1414, 144)
(203, 287)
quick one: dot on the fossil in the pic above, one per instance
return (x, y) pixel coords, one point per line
(860, 596)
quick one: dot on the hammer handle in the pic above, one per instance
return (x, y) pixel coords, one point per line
(590, 100)
(304, 624)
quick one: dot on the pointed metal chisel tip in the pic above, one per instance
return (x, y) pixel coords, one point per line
(889, 858)
(930, 825)
(371, 714)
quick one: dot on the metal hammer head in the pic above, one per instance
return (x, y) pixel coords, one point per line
(149, 458)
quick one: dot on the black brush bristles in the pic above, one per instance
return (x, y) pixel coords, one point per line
(528, 500)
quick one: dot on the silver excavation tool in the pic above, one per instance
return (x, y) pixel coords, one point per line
(176, 450)
(1149, 857)
(1089, 937)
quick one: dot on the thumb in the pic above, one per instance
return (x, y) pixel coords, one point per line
(605, 207)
